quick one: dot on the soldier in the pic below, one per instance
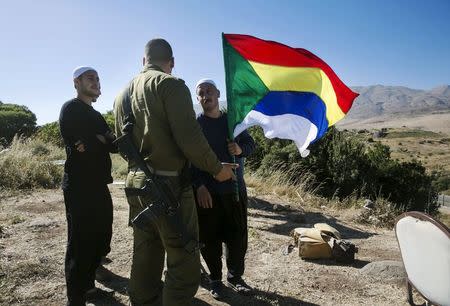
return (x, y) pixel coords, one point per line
(222, 218)
(87, 171)
(168, 138)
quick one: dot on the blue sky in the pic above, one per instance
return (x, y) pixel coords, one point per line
(401, 42)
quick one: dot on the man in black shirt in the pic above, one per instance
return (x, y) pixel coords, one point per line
(222, 218)
(87, 171)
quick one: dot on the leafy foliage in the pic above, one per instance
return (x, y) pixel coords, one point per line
(342, 165)
(441, 180)
(15, 119)
(50, 133)
(109, 118)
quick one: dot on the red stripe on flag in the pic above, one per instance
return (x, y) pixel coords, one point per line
(274, 53)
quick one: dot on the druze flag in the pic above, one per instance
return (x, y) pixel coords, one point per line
(289, 92)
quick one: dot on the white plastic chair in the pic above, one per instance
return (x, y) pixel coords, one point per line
(425, 248)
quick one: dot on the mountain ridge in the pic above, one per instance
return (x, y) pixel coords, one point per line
(391, 101)
(382, 100)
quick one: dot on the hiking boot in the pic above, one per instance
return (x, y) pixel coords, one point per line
(105, 260)
(216, 289)
(102, 274)
(238, 285)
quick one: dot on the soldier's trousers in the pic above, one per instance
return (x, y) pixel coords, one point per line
(225, 222)
(89, 214)
(183, 268)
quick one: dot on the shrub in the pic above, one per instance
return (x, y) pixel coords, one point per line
(109, 118)
(15, 119)
(441, 180)
(342, 165)
(383, 214)
(50, 133)
(28, 164)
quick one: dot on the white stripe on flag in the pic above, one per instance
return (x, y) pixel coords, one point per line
(286, 126)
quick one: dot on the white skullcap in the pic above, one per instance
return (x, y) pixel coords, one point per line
(80, 70)
(207, 81)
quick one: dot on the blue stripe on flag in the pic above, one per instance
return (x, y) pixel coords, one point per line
(304, 104)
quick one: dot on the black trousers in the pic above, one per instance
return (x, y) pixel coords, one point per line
(89, 215)
(225, 222)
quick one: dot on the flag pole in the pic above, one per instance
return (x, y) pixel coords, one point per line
(230, 128)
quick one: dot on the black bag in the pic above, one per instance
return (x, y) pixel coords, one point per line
(342, 250)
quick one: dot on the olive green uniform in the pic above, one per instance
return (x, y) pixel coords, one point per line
(168, 137)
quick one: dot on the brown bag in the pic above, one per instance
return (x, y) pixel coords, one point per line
(312, 243)
(323, 241)
(309, 248)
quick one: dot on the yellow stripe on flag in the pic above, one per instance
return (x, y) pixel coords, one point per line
(314, 80)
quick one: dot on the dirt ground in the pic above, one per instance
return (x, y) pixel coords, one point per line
(33, 238)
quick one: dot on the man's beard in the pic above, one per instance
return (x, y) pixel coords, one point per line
(208, 107)
(91, 94)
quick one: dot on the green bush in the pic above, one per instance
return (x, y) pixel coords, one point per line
(109, 118)
(441, 180)
(50, 133)
(15, 120)
(342, 165)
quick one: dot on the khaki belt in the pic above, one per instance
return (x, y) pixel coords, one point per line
(154, 171)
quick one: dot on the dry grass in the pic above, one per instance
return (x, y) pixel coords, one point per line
(382, 215)
(119, 167)
(22, 274)
(444, 218)
(27, 164)
(32, 258)
(277, 184)
(432, 152)
(432, 149)
(439, 122)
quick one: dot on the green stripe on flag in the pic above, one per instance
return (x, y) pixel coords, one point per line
(244, 88)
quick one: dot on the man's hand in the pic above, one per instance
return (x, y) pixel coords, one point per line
(226, 172)
(101, 138)
(204, 197)
(234, 148)
(108, 137)
(79, 146)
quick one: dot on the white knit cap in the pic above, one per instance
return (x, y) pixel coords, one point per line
(80, 70)
(207, 81)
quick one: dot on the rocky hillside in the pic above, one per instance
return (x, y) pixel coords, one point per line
(379, 100)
